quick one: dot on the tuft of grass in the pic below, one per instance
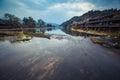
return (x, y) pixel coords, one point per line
(25, 39)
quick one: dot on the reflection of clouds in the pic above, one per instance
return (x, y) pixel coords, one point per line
(57, 32)
(47, 52)
(76, 40)
(38, 46)
(57, 41)
(73, 39)
(45, 43)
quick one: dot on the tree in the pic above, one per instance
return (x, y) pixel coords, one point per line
(29, 22)
(41, 23)
(13, 21)
(49, 25)
(25, 20)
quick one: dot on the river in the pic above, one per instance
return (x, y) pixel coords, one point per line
(65, 56)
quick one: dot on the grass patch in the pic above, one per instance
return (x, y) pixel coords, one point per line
(25, 39)
(39, 35)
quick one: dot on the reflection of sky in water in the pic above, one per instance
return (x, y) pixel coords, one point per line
(42, 45)
(56, 31)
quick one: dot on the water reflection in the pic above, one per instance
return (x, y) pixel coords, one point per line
(75, 33)
(55, 33)
(43, 30)
(63, 57)
(58, 31)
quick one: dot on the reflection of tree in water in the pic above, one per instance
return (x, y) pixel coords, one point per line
(43, 30)
(29, 30)
(67, 31)
(40, 30)
(49, 29)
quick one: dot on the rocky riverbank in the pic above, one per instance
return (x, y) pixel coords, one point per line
(107, 42)
(107, 39)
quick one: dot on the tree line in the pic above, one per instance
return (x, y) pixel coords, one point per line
(9, 21)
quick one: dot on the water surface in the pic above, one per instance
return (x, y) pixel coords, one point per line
(63, 57)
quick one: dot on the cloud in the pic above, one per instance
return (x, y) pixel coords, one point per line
(57, 12)
(61, 11)
(72, 9)
(38, 2)
(73, 6)
(20, 4)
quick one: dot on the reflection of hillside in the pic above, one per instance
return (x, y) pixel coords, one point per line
(75, 33)
(67, 31)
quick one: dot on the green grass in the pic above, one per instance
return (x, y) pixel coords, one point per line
(25, 39)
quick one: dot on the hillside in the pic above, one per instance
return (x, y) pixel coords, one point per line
(90, 14)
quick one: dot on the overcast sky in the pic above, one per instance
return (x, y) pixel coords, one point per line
(54, 11)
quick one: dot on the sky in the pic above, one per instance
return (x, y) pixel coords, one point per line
(54, 11)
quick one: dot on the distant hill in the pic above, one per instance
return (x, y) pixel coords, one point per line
(90, 14)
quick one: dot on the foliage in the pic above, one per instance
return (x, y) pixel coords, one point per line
(90, 14)
(10, 21)
(41, 23)
(30, 22)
